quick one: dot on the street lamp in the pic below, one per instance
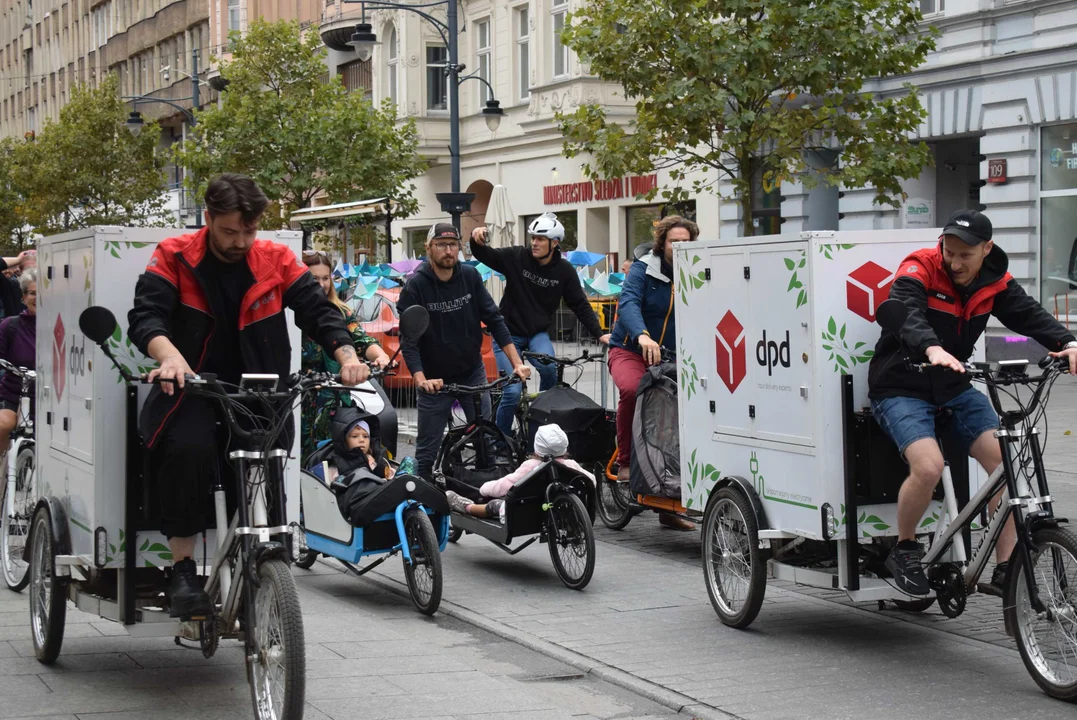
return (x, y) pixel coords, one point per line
(135, 123)
(455, 203)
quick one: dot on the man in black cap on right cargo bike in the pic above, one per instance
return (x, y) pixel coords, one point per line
(950, 291)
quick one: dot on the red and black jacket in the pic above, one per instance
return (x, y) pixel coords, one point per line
(953, 318)
(170, 300)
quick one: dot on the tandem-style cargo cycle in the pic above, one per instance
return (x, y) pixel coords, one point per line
(796, 481)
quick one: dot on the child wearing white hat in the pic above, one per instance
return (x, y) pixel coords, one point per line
(551, 443)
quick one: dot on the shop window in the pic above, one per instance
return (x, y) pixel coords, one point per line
(568, 219)
(1058, 221)
(766, 203)
(643, 218)
(415, 241)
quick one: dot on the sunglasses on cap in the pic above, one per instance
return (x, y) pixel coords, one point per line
(315, 253)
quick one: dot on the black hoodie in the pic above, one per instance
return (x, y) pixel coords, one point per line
(451, 348)
(954, 318)
(533, 291)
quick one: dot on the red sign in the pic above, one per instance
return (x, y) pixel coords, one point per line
(730, 351)
(59, 357)
(996, 171)
(600, 190)
(866, 288)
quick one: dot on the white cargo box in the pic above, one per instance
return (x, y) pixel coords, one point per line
(81, 411)
(766, 328)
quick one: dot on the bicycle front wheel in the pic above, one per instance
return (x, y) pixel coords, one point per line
(572, 541)
(15, 523)
(423, 572)
(277, 672)
(1048, 640)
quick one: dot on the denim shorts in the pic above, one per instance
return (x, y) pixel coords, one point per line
(908, 419)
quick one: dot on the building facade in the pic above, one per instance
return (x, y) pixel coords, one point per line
(1001, 97)
(154, 46)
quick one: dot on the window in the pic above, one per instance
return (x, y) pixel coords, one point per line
(766, 204)
(415, 239)
(394, 67)
(233, 15)
(568, 219)
(482, 51)
(560, 50)
(523, 53)
(1058, 218)
(643, 218)
(356, 76)
(930, 7)
(437, 84)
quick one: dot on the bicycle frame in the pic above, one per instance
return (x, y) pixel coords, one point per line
(1017, 500)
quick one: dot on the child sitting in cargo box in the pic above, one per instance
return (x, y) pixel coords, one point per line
(353, 447)
(551, 442)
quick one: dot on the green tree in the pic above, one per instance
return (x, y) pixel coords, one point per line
(295, 133)
(88, 169)
(15, 234)
(745, 88)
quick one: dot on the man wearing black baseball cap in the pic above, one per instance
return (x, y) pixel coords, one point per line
(950, 291)
(450, 351)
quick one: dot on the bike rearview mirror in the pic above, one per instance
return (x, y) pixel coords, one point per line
(891, 315)
(414, 321)
(97, 323)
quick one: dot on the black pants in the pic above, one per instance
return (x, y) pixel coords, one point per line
(186, 461)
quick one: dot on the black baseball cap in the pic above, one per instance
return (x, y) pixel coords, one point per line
(444, 230)
(972, 226)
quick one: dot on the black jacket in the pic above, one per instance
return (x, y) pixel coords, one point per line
(451, 348)
(953, 318)
(533, 291)
(10, 293)
(170, 300)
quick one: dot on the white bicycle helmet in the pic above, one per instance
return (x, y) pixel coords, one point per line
(547, 225)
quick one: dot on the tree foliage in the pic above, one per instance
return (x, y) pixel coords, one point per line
(728, 88)
(297, 134)
(88, 169)
(15, 234)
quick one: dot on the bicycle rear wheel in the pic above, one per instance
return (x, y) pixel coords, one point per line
(572, 541)
(1047, 641)
(16, 519)
(277, 674)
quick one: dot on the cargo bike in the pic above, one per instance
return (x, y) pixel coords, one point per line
(798, 482)
(554, 504)
(362, 516)
(94, 539)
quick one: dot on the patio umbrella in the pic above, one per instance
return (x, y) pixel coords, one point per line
(500, 219)
(405, 267)
(582, 258)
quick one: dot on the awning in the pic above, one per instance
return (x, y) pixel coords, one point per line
(343, 210)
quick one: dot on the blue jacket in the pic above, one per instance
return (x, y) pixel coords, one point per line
(646, 304)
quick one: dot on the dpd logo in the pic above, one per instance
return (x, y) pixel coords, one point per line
(866, 289)
(729, 351)
(770, 354)
(59, 357)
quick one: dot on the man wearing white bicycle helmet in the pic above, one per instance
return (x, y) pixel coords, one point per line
(537, 279)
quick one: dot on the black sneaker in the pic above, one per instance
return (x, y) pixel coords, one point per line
(186, 596)
(997, 586)
(904, 563)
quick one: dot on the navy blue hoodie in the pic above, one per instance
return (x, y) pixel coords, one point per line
(451, 348)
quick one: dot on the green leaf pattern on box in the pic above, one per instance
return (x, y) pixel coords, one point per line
(152, 554)
(795, 282)
(701, 478)
(691, 280)
(127, 355)
(829, 251)
(844, 357)
(689, 374)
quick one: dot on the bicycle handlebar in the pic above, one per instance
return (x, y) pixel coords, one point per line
(20, 371)
(485, 387)
(564, 362)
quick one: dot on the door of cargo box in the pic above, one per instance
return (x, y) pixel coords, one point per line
(728, 320)
(779, 343)
(80, 387)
